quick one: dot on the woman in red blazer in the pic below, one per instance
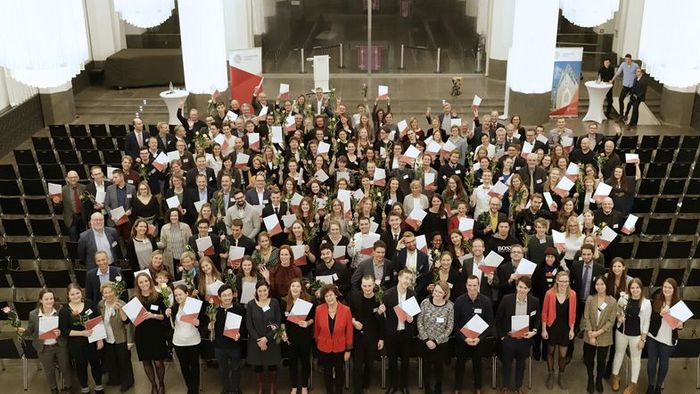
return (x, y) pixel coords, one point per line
(558, 318)
(333, 331)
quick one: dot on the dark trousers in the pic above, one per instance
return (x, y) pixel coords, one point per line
(621, 101)
(332, 362)
(661, 353)
(398, 346)
(124, 230)
(76, 227)
(580, 307)
(609, 102)
(82, 355)
(433, 361)
(363, 354)
(189, 366)
(518, 350)
(594, 356)
(299, 363)
(177, 273)
(474, 353)
(229, 369)
(117, 362)
(634, 102)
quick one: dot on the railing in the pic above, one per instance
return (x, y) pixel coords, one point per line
(303, 59)
(420, 48)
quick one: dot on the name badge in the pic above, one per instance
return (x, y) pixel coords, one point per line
(533, 313)
(335, 277)
(88, 312)
(405, 176)
(616, 225)
(387, 278)
(264, 202)
(211, 179)
(592, 201)
(128, 196)
(389, 202)
(543, 240)
(538, 181)
(185, 160)
(153, 171)
(114, 244)
(154, 308)
(439, 320)
(602, 306)
(375, 310)
(458, 172)
(449, 285)
(266, 308)
(131, 181)
(477, 310)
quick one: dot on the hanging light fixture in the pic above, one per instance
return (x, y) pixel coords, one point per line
(144, 13)
(588, 13)
(44, 42)
(665, 42)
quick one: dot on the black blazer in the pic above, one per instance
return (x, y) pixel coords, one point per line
(639, 88)
(92, 284)
(388, 238)
(423, 277)
(281, 238)
(243, 242)
(169, 142)
(576, 277)
(507, 309)
(131, 253)
(191, 178)
(87, 206)
(131, 144)
(540, 178)
(202, 317)
(252, 197)
(215, 258)
(366, 268)
(391, 299)
(191, 196)
(479, 227)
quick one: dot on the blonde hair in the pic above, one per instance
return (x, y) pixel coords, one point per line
(444, 287)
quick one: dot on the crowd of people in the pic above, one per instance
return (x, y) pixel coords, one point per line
(296, 229)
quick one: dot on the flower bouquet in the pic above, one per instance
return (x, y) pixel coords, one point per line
(13, 321)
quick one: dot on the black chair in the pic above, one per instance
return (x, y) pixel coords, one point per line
(11, 206)
(671, 141)
(83, 143)
(657, 226)
(80, 275)
(648, 250)
(693, 187)
(644, 154)
(128, 275)
(628, 143)
(24, 156)
(9, 188)
(15, 227)
(113, 157)
(38, 206)
(79, 168)
(650, 141)
(642, 204)
(673, 186)
(666, 205)
(63, 143)
(664, 155)
(121, 143)
(689, 348)
(622, 249)
(685, 226)
(644, 274)
(78, 130)
(72, 248)
(68, 157)
(656, 170)
(693, 278)
(23, 308)
(28, 171)
(53, 172)
(98, 130)
(21, 250)
(665, 273)
(58, 130)
(46, 157)
(91, 157)
(117, 130)
(50, 250)
(7, 172)
(104, 143)
(649, 186)
(690, 205)
(56, 279)
(42, 143)
(690, 142)
(25, 278)
(679, 170)
(678, 249)
(43, 228)
(686, 155)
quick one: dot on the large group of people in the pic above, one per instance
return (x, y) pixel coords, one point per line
(296, 229)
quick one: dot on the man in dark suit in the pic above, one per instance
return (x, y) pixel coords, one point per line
(595, 139)
(488, 281)
(99, 275)
(71, 206)
(98, 183)
(166, 141)
(215, 255)
(399, 334)
(279, 208)
(531, 138)
(254, 195)
(378, 266)
(327, 266)
(453, 167)
(639, 92)
(393, 234)
(200, 169)
(200, 193)
(582, 277)
(137, 139)
(120, 194)
(238, 239)
(507, 278)
(533, 175)
(192, 123)
(98, 237)
(407, 256)
(513, 345)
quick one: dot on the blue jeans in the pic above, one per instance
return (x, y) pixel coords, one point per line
(660, 352)
(229, 369)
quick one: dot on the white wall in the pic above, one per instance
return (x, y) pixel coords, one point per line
(628, 28)
(105, 30)
(4, 98)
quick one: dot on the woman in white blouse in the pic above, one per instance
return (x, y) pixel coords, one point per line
(573, 239)
(186, 336)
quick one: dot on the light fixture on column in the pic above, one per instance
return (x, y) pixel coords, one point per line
(531, 56)
(144, 13)
(44, 42)
(588, 13)
(666, 42)
(203, 45)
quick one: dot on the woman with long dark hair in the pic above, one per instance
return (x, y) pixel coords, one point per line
(263, 320)
(662, 335)
(597, 324)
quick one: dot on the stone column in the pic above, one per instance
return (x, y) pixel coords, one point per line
(677, 105)
(58, 104)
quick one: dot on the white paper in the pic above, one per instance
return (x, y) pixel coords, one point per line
(429, 178)
(231, 116)
(325, 279)
(629, 223)
(448, 146)
(296, 199)
(410, 306)
(379, 174)
(233, 321)
(247, 292)
(603, 190)
(100, 196)
(466, 224)
(133, 308)
(174, 155)
(213, 288)
(566, 142)
(681, 311)
(192, 306)
(433, 147)
(382, 91)
(542, 138)
(358, 194)
(235, 253)
(321, 176)
(110, 171)
(242, 159)
(631, 158)
(47, 323)
(417, 214)
(525, 267)
(198, 205)
(373, 226)
(368, 240)
(173, 202)
(162, 158)
(290, 122)
(519, 322)
(527, 149)
(572, 169)
(271, 221)
(477, 324)
(323, 147)
(548, 199)
(298, 251)
(421, 243)
(288, 220)
(499, 189)
(565, 184)
(402, 125)
(493, 259)
(284, 89)
(608, 234)
(455, 122)
(55, 189)
(263, 111)
(412, 152)
(558, 238)
(254, 138)
(476, 101)
(277, 136)
(117, 213)
(204, 243)
(300, 308)
(98, 332)
(339, 251)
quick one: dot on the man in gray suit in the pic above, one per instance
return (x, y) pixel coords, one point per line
(71, 204)
(244, 211)
(120, 194)
(378, 266)
(98, 237)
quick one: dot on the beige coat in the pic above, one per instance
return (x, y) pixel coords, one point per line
(606, 322)
(123, 332)
(165, 242)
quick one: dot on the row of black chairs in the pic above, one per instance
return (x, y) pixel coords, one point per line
(97, 130)
(34, 249)
(677, 247)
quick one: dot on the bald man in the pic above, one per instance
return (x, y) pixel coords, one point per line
(533, 175)
(136, 139)
(71, 205)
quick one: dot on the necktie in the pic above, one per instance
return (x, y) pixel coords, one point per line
(586, 281)
(277, 211)
(236, 242)
(76, 200)
(532, 182)
(139, 139)
(396, 238)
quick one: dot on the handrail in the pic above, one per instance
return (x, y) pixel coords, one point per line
(420, 48)
(302, 51)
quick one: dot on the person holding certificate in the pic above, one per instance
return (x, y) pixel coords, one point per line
(228, 346)
(150, 332)
(73, 321)
(399, 331)
(299, 310)
(263, 320)
(189, 317)
(435, 324)
(517, 321)
(663, 333)
(597, 327)
(333, 331)
(50, 345)
(558, 318)
(120, 339)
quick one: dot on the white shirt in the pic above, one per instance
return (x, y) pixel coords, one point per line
(480, 200)
(412, 261)
(400, 326)
(102, 243)
(185, 334)
(109, 312)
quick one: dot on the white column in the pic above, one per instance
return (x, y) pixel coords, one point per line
(259, 26)
(628, 27)
(4, 98)
(12, 92)
(501, 28)
(105, 29)
(238, 17)
(270, 7)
